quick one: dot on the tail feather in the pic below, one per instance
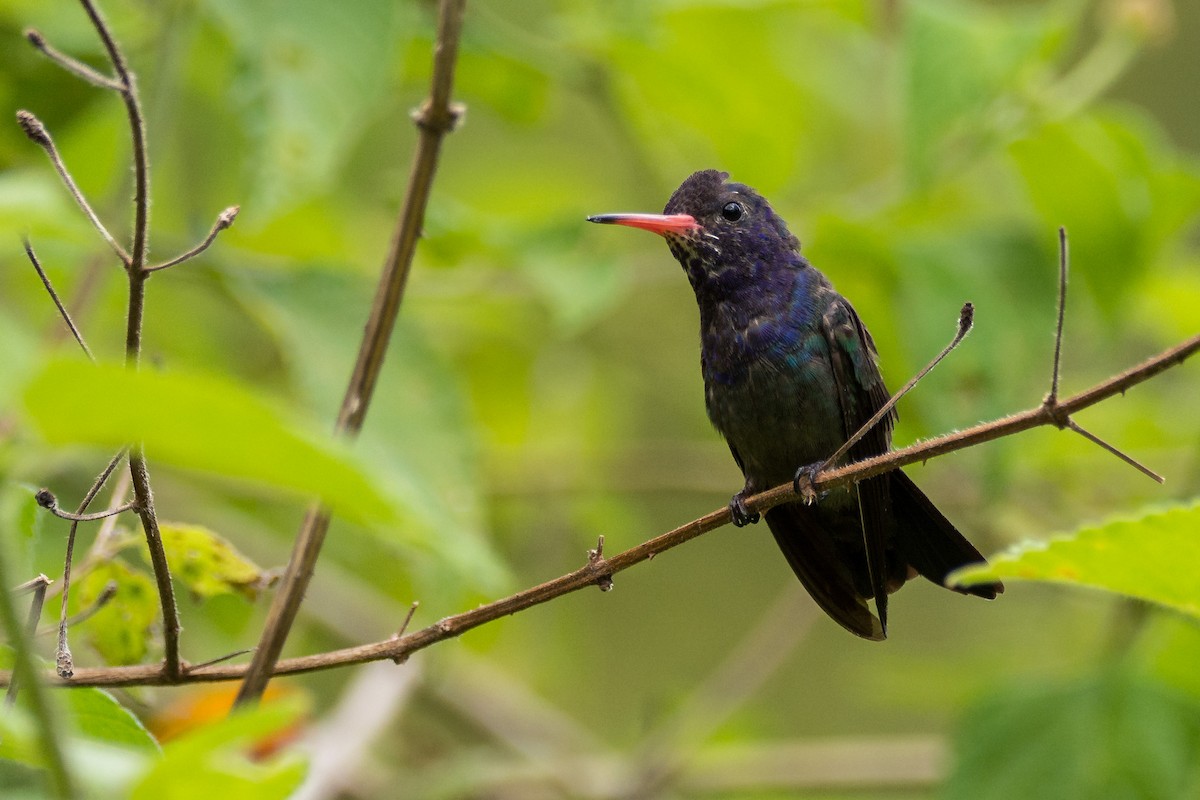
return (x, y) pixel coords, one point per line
(828, 552)
(874, 520)
(813, 556)
(929, 541)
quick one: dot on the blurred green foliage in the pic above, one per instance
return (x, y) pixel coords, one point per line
(1135, 557)
(542, 386)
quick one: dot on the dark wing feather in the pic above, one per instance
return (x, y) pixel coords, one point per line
(929, 541)
(801, 535)
(860, 392)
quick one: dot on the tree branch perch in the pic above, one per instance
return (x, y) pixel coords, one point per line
(599, 570)
(436, 117)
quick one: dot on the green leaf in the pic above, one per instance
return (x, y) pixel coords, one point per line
(215, 761)
(207, 563)
(120, 631)
(1154, 557)
(95, 714)
(419, 436)
(1111, 736)
(107, 743)
(200, 422)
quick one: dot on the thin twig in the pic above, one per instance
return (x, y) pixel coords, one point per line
(224, 220)
(37, 133)
(98, 515)
(436, 117)
(587, 575)
(99, 547)
(1128, 459)
(62, 310)
(33, 585)
(1063, 418)
(46, 499)
(39, 585)
(966, 318)
(404, 626)
(144, 497)
(72, 65)
(107, 593)
(1052, 398)
(407, 619)
(220, 659)
(136, 261)
(62, 657)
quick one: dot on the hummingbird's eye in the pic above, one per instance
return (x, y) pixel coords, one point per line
(732, 211)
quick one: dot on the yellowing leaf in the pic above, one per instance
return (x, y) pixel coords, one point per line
(120, 630)
(207, 563)
(1155, 557)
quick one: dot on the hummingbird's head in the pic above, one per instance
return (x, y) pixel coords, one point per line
(712, 224)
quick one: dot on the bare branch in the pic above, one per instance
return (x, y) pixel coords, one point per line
(966, 318)
(404, 626)
(136, 262)
(224, 220)
(33, 585)
(46, 499)
(104, 598)
(71, 65)
(436, 117)
(1052, 398)
(1128, 459)
(220, 659)
(1051, 404)
(62, 658)
(38, 586)
(988, 431)
(144, 501)
(450, 627)
(37, 133)
(62, 310)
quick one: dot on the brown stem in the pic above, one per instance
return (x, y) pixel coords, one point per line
(138, 470)
(436, 117)
(597, 570)
(62, 310)
(140, 477)
(38, 587)
(62, 657)
(37, 133)
(72, 65)
(1046, 414)
(1063, 260)
(966, 318)
(224, 220)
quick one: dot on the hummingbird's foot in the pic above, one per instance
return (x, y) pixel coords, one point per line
(805, 482)
(742, 516)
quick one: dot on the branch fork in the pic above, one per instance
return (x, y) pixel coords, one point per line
(597, 565)
(134, 263)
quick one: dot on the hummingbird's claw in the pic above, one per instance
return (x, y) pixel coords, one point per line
(805, 481)
(742, 516)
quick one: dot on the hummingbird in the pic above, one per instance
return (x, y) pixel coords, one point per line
(790, 374)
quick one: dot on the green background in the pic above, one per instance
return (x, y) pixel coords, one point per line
(543, 386)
